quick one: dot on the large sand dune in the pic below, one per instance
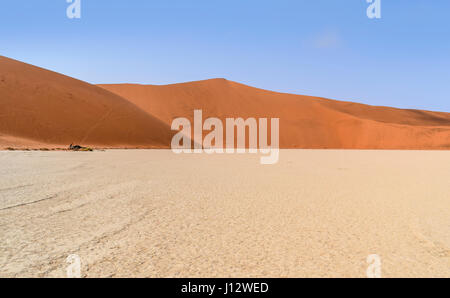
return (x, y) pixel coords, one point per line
(305, 122)
(43, 108)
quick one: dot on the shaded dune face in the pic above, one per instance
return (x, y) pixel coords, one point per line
(305, 122)
(40, 106)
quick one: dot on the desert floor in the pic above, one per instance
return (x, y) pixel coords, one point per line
(144, 213)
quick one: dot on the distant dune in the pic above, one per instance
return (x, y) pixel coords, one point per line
(305, 122)
(40, 108)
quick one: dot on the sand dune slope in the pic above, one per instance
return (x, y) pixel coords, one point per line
(43, 108)
(305, 122)
(40, 107)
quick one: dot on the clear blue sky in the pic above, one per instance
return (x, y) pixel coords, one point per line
(326, 48)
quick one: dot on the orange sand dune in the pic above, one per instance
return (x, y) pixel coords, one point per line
(305, 122)
(40, 108)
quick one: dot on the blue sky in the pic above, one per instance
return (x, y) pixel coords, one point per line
(326, 48)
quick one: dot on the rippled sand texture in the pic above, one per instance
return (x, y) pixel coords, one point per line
(142, 213)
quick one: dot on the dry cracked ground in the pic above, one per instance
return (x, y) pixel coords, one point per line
(151, 213)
